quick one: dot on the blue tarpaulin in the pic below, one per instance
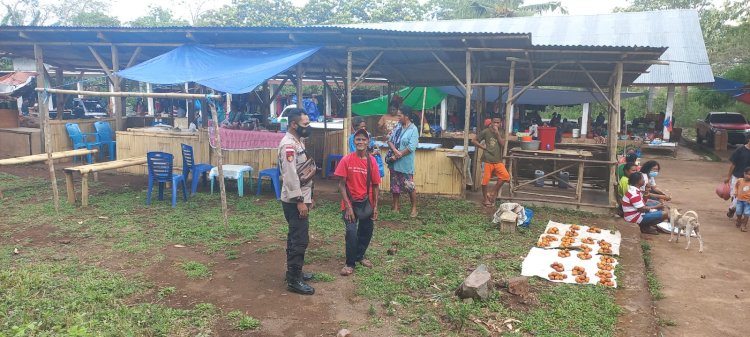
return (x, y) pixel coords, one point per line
(233, 71)
(535, 96)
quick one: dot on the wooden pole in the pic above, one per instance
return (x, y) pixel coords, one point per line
(467, 122)
(669, 110)
(118, 107)
(614, 119)
(298, 76)
(509, 107)
(424, 101)
(348, 87)
(128, 94)
(220, 166)
(60, 97)
(44, 116)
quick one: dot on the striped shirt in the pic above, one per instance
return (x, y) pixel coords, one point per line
(631, 202)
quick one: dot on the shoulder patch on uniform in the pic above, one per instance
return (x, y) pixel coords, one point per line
(289, 152)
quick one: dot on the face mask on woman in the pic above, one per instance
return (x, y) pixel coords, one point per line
(653, 174)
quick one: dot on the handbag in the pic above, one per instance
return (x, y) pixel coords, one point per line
(363, 209)
(306, 171)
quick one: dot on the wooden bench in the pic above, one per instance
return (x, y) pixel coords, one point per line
(43, 157)
(84, 170)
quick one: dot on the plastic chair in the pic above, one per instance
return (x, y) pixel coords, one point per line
(274, 174)
(104, 136)
(188, 164)
(80, 140)
(330, 167)
(160, 171)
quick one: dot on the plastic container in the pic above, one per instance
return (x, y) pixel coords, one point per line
(547, 138)
(538, 174)
(564, 179)
(532, 145)
(576, 133)
(525, 138)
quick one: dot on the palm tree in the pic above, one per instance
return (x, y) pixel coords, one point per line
(507, 8)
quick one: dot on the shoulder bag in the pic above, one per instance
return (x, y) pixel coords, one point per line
(363, 209)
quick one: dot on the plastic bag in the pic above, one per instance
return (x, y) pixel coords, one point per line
(722, 190)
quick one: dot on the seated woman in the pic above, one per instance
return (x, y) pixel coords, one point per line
(650, 171)
(636, 211)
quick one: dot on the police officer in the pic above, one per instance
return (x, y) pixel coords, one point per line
(296, 199)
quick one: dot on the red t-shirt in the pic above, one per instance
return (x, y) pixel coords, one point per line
(354, 170)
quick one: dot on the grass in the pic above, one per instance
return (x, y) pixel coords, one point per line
(195, 269)
(411, 290)
(654, 286)
(75, 300)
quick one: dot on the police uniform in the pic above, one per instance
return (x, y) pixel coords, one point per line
(291, 155)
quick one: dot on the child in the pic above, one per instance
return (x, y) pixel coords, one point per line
(742, 194)
(489, 140)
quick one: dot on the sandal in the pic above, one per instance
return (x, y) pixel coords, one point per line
(346, 271)
(366, 263)
(730, 212)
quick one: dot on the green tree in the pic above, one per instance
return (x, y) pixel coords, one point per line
(22, 13)
(253, 13)
(158, 17)
(93, 19)
(357, 11)
(471, 9)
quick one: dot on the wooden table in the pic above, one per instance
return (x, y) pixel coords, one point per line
(84, 170)
(577, 157)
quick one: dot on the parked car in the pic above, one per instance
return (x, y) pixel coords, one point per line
(734, 123)
(332, 123)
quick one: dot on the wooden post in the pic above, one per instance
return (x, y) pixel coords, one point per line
(348, 88)
(117, 109)
(424, 100)
(44, 117)
(220, 166)
(467, 122)
(669, 110)
(509, 108)
(60, 97)
(298, 76)
(614, 119)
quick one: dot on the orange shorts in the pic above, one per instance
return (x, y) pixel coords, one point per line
(498, 169)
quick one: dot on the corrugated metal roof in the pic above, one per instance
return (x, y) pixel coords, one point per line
(679, 30)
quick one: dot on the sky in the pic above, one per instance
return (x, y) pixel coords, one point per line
(127, 10)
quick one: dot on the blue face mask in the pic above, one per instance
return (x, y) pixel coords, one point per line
(653, 174)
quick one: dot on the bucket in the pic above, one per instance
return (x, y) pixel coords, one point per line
(538, 174)
(532, 145)
(576, 133)
(564, 179)
(547, 138)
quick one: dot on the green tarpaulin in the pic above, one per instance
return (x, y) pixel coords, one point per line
(412, 98)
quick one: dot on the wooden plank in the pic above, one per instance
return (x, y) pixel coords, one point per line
(109, 165)
(42, 157)
(43, 109)
(70, 188)
(85, 189)
(555, 152)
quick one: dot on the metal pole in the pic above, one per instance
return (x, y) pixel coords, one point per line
(467, 122)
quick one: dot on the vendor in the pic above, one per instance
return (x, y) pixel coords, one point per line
(389, 121)
(636, 211)
(235, 116)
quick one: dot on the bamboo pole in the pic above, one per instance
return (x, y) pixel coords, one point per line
(126, 94)
(424, 101)
(348, 88)
(44, 114)
(613, 128)
(59, 80)
(220, 167)
(118, 108)
(467, 121)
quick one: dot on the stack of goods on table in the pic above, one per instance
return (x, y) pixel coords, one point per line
(571, 253)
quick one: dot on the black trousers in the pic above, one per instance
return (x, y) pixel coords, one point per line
(358, 236)
(297, 239)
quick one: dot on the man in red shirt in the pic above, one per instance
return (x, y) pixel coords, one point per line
(354, 185)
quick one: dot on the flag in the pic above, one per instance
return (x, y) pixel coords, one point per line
(668, 124)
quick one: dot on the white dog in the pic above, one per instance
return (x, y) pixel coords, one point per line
(688, 223)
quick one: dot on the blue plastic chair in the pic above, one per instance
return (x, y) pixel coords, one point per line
(331, 162)
(274, 174)
(104, 136)
(160, 171)
(80, 140)
(188, 164)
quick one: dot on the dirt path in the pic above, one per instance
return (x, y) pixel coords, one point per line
(705, 294)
